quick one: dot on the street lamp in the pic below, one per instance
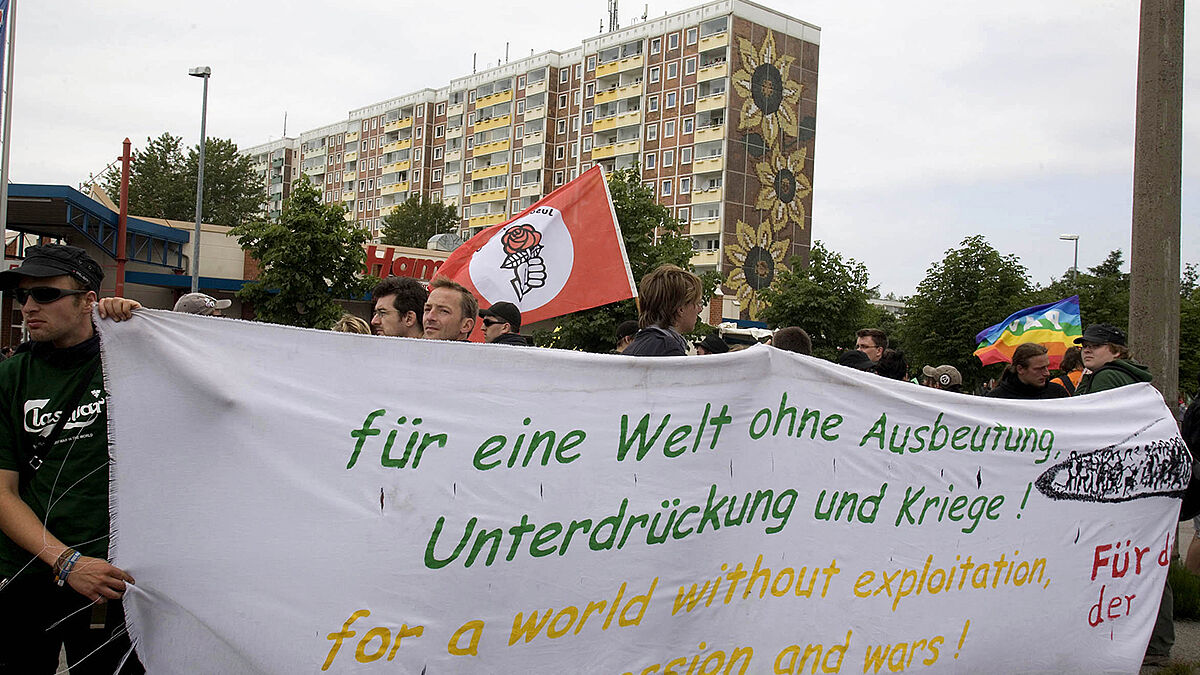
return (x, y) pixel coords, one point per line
(1075, 267)
(203, 72)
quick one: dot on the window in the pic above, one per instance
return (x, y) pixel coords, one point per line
(521, 107)
(417, 176)
(670, 100)
(652, 132)
(672, 70)
(419, 130)
(421, 110)
(684, 212)
(470, 165)
(649, 160)
(417, 154)
(588, 115)
(515, 206)
(574, 150)
(558, 177)
(666, 188)
(573, 174)
(516, 181)
(668, 158)
(439, 131)
(441, 109)
(591, 63)
(371, 184)
(362, 185)
(673, 41)
(372, 166)
(521, 82)
(436, 195)
(668, 128)
(517, 154)
(656, 45)
(437, 175)
(654, 74)
(564, 75)
(587, 143)
(578, 98)
(590, 89)
(575, 123)
(471, 96)
(363, 145)
(372, 143)
(519, 131)
(689, 66)
(560, 152)
(689, 96)
(685, 155)
(689, 125)
(366, 125)
(579, 71)
(562, 101)
(691, 36)
(562, 126)
(652, 104)
(471, 119)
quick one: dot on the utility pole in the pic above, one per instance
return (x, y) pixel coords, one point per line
(1157, 178)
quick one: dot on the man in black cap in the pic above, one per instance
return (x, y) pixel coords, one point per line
(1106, 355)
(54, 473)
(711, 344)
(626, 330)
(502, 324)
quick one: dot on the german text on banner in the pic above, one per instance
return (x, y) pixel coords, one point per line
(302, 501)
(561, 255)
(1054, 325)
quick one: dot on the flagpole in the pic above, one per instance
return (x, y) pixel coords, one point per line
(8, 81)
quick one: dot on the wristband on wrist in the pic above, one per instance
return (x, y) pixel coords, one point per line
(62, 558)
(67, 567)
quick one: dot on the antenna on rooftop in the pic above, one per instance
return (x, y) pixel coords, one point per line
(474, 60)
(506, 52)
(613, 22)
(646, 12)
(285, 124)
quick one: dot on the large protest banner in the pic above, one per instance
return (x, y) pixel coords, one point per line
(296, 501)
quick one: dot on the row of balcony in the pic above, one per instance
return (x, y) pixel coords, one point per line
(615, 121)
(621, 65)
(396, 125)
(396, 146)
(493, 99)
(618, 93)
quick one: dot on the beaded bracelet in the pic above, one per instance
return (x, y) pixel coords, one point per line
(67, 567)
(62, 558)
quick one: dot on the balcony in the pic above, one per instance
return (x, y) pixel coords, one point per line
(315, 152)
(535, 113)
(713, 41)
(708, 164)
(711, 102)
(489, 171)
(351, 136)
(493, 99)
(396, 125)
(719, 69)
(618, 93)
(707, 196)
(350, 156)
(455, 109)
(454, 132)
(615, 121)
(394, 146)
(485, 220)
(396, 167)
(707, 226)
(532, 190)
(349, 176)
(489, 196)
(488, 148)
(348, 196)
(394, 188)
(452, 178)
(706, 258)
(388, 210)
(627, 63)
(453, 155)
(532, 138)
(316, 170)
(492, 123)
(606, 151)
(535, 88)
(714, 132)
(532, 164)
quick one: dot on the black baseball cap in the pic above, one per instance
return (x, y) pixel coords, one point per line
(1101, 333)
(505, 311)
(713, 343)
(856, 359)
(55, 260)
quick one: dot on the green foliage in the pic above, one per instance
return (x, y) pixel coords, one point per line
(971, 288)
(1103, 292)
(162, 182)
(639, 215)
(1189, 331)
(311, 256)
(1186, 587)
(828, 299)
(417, 219)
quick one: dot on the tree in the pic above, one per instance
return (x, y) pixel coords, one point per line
(162, 182)
(311, 256)
(1103, 292)
(971, 288)
(1189, 330)
(639, 215)
(828, 299)
(417, 219)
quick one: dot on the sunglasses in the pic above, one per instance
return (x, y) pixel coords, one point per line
(492, 322)
(43, 295)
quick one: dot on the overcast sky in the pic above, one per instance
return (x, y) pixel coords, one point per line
(936, 120)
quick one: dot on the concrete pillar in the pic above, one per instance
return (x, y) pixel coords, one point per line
(1157, 174)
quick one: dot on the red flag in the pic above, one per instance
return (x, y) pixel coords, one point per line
(561, 255)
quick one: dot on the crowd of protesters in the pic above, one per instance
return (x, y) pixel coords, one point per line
(57, 588)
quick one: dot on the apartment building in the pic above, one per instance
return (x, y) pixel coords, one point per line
(716, 105)
(276, 162)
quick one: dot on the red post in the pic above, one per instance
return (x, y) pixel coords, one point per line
(122, 217)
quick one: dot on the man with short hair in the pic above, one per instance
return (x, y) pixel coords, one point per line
(792, 339)
(199, 303)
(872, 342)
(54, 473)
(1027, 376)
(450, 311)
(943, 377)
(399, 306)
(502, 324)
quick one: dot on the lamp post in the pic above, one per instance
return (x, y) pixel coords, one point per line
(203, 72)
(1075, 267)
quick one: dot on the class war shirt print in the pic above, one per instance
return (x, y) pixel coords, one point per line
(294, 500)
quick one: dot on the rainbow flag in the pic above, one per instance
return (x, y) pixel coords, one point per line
(1054, 325)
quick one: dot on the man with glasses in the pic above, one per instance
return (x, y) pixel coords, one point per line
(872, 342)
(502, 324)
(399, 304)
(55, 577)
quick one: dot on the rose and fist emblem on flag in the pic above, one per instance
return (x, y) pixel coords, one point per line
(523, 255)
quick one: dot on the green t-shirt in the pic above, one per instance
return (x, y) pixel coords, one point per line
(69, 493)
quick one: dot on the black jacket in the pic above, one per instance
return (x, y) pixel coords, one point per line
(1011, 386)
(656, 341)
(511, 339)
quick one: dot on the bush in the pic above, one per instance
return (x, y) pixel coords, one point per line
(1186, 587)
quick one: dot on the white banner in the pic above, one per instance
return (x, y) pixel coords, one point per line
(296, 501)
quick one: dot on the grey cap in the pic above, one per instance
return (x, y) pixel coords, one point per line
(199, 303)
(945, 375)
